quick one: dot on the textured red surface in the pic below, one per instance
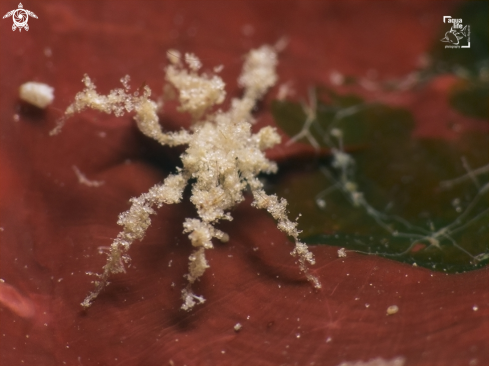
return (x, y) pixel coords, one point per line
(52, 225)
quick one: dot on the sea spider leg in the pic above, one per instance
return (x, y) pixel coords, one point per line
(278, 209)
(135, 222)
(201, 234)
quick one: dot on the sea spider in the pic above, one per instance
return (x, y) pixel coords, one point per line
(223, 158)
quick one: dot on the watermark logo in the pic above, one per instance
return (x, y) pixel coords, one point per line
(458, 36)
(20, 17)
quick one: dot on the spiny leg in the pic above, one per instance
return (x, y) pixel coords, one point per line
(135, 222)
(278, 209)
(201, 234)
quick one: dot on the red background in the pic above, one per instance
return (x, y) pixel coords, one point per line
(52, 225)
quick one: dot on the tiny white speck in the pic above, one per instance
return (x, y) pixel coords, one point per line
(367, 305)
(336, 78)
(475, 308)
(392, 309)
(341, 253)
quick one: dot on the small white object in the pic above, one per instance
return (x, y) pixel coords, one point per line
(38, 94)
(392, 309)
(341, 253)
(82, 179)
(173, 56)
(336, 78)
(237, 327)
(341, 159)
(321, 203)
(336, 132)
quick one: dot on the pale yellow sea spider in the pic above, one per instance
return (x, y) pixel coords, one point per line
(223, 158)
